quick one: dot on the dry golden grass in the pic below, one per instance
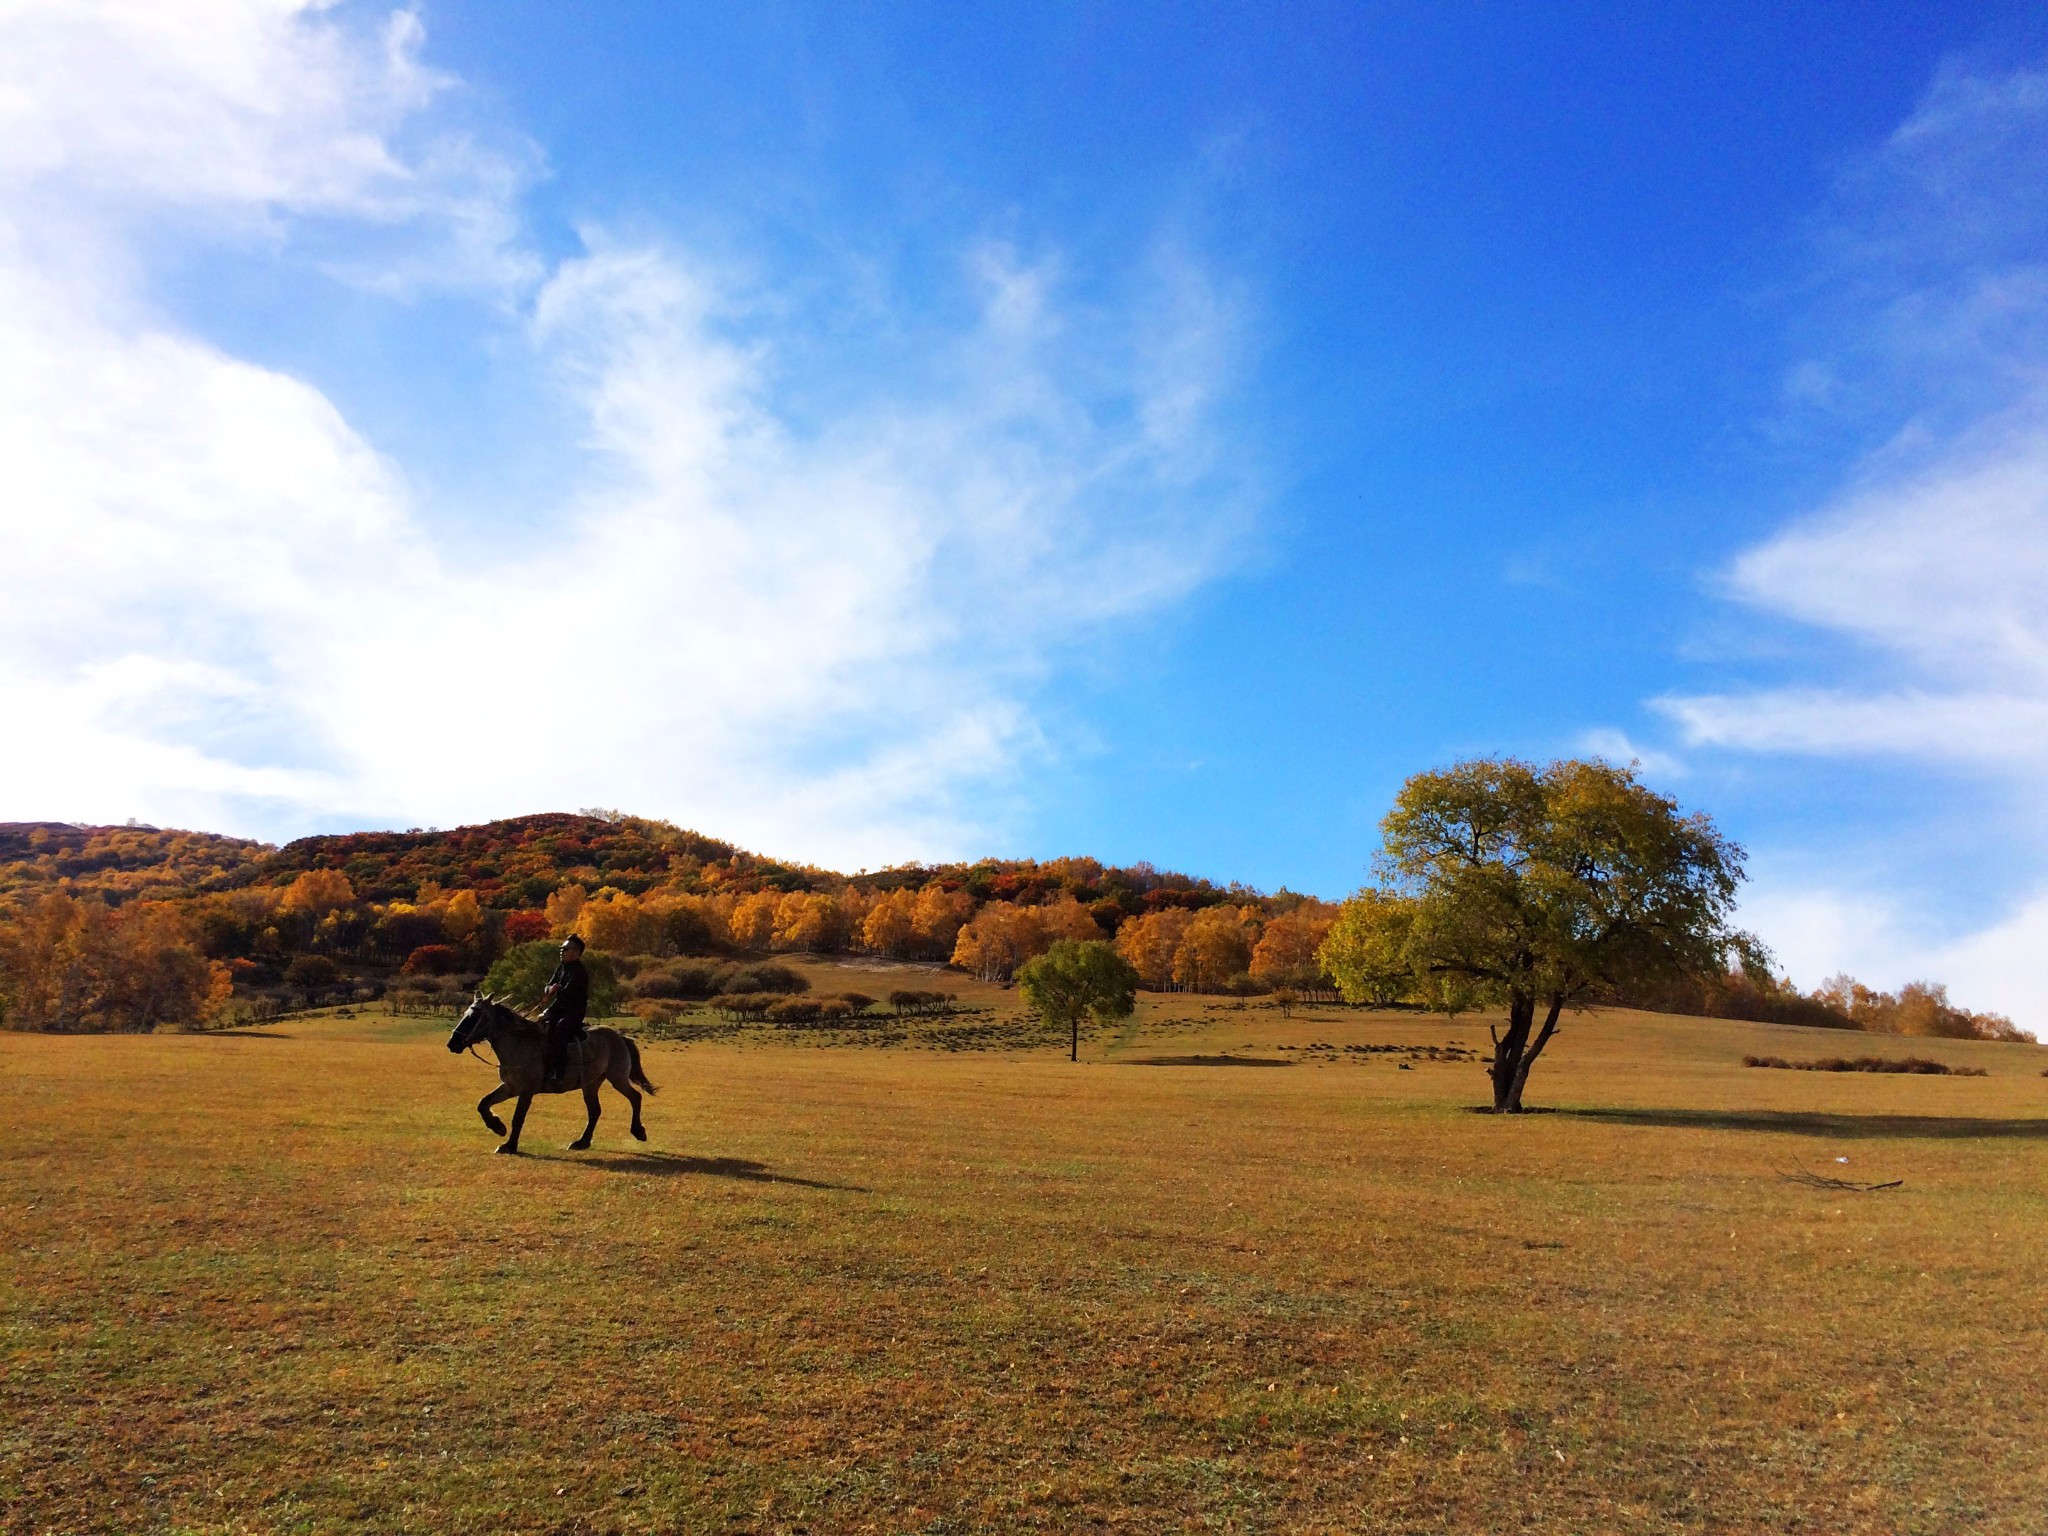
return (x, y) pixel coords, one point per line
(277, 1283)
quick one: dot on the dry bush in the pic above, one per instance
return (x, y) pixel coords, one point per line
(915, 1002)
(1918, 1066)
(767, 976)
(655, 1010)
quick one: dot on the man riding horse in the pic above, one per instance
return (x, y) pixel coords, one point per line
(563, 1006)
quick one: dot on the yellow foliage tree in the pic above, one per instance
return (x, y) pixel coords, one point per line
(752, 924)
(318, 892)
(461, 916)
(1216, 947)
(938, 916)
(890, 928)
(613, 922)
(564, 909)
(1149, 943)
(806, 920)
(1001, 937)
(1068, 919)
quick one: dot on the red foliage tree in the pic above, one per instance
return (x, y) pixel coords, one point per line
(431, 960)
(525, 927)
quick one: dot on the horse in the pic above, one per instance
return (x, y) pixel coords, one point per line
(601, 1056)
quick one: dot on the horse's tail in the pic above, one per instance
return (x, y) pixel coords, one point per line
(636, 1073)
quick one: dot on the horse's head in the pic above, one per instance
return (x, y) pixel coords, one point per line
(474, 1025)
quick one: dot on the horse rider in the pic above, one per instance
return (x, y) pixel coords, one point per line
(563, 1005)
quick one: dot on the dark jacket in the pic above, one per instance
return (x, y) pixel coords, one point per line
(572, 997)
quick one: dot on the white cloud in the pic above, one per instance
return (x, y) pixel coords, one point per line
(1816, 932)
(1616, 746)
(226, 608)
(1929, 565)
(115, 114)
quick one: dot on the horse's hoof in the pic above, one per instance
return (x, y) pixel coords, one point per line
(639, 1133)
(579, 1146)
(507, 1150)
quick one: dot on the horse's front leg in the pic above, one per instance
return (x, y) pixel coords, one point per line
(582, 1143)
(497, 1095)
(518, 1120)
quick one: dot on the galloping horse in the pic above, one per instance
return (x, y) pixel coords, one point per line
(602, 1056)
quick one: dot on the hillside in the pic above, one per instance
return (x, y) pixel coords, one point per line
(517, 863)
(121, 863)
(174, 923)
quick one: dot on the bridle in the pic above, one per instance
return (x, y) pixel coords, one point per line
(485, 1035)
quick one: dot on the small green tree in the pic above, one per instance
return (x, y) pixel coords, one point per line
(1538, 888)
(1366, 950)
(1078, 976)
(521, 975)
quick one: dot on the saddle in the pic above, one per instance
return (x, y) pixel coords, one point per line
(571, 1074)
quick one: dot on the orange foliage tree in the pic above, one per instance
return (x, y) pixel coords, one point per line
(1150, 942)
(752, 923)
(937, 917)
(1216, 948)
(1285, 955)
(1001, 937)
(891, 926)
(74, 965)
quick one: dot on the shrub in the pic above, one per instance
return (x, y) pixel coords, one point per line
(311, 971)
(657, 984)
(857, 1002)
(427, 960)
(655, 1010)
(835, 1010)
(699, 978)
(1916, 1065)
(909, 1001)
(767, 976)
(792, 1010)
(744, 1005)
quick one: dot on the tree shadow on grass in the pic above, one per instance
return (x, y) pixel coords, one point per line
(1835, 1127)
(1206, 1061)
(674, 1165)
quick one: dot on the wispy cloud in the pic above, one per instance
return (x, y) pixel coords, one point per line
(1927, 568)
(1617, 746)
(226, 607)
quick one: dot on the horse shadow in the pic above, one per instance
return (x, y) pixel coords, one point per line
(676, 1165)
(1834, 1127)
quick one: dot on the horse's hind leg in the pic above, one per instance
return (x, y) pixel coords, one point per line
(622, 1080)
(582, 1143)
(497, 1095)
(518, 1121)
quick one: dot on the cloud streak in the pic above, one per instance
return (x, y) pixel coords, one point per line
(1927, 569)
(229, 608)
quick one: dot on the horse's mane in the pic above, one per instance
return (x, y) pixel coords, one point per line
(505, 1013)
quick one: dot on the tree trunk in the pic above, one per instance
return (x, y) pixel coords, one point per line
(1514, 1104)
(1074, 1051)
(1507, 1070)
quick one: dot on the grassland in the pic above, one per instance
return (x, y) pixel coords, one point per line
(275, 1282)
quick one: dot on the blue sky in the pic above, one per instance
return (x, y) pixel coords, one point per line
(886, 432)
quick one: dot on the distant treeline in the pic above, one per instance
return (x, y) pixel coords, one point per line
(135, 928)
(1841, 1002)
